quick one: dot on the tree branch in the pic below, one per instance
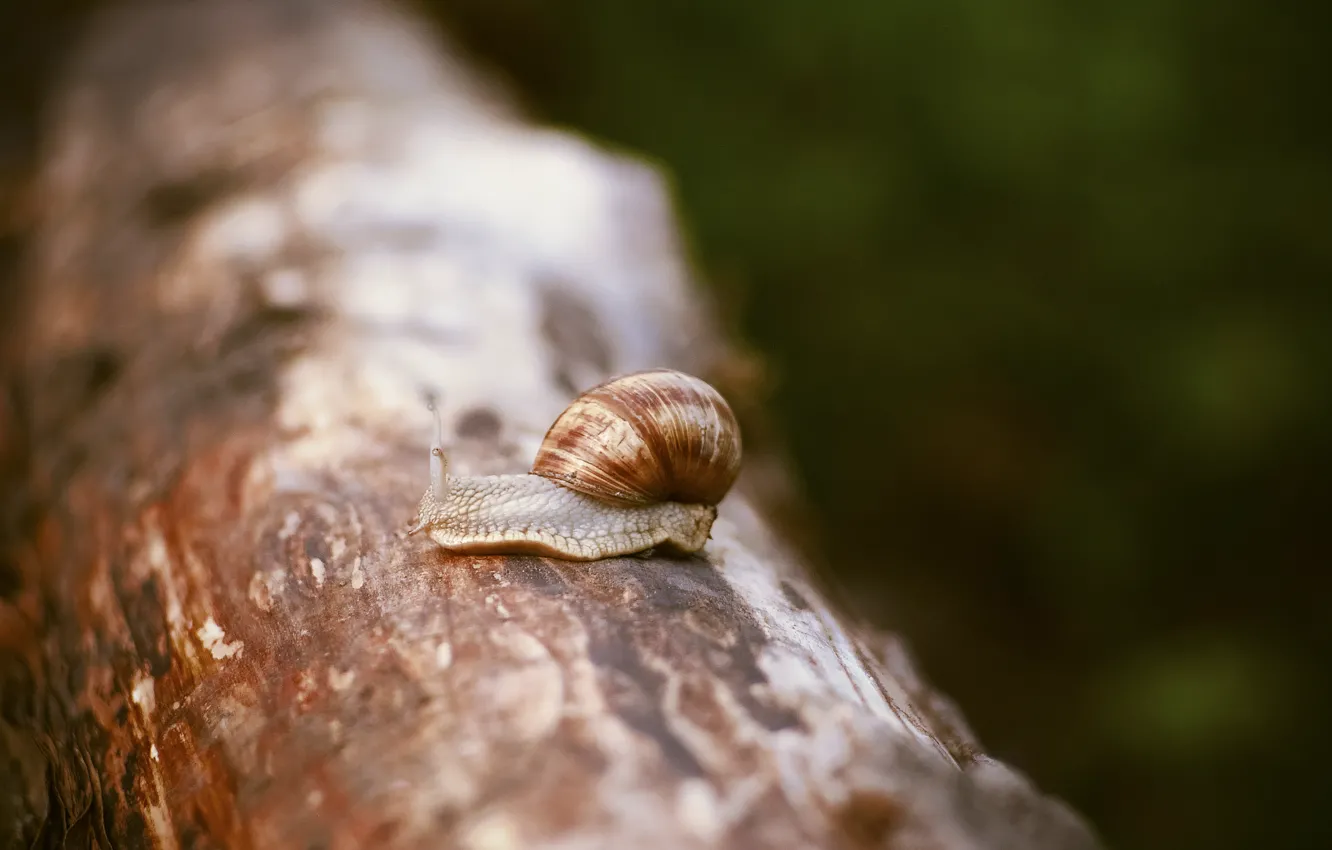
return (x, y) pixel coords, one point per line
(266, 232)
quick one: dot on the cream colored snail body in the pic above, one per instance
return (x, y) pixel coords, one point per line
(639, 462)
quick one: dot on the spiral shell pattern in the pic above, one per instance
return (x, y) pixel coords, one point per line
(654, 436)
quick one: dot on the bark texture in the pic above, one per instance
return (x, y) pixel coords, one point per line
(264, 231)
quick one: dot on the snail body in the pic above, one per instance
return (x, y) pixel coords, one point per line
(531, 515)
(637, 463)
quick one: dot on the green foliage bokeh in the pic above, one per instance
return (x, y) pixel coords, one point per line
(1045, 287)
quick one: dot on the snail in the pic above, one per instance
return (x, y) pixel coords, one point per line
(639, 462)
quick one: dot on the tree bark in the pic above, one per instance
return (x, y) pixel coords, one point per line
(263, 232)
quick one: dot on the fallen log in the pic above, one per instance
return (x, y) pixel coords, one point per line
(265, 232)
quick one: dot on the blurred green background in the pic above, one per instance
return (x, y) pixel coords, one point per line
(1044, 289)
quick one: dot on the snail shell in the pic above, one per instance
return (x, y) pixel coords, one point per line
(654, 436)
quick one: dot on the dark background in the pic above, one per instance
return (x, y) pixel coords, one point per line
(1043, 290)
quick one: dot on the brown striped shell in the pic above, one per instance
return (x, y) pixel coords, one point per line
(655, 436)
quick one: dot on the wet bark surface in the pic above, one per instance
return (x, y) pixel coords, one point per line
(266, 231)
